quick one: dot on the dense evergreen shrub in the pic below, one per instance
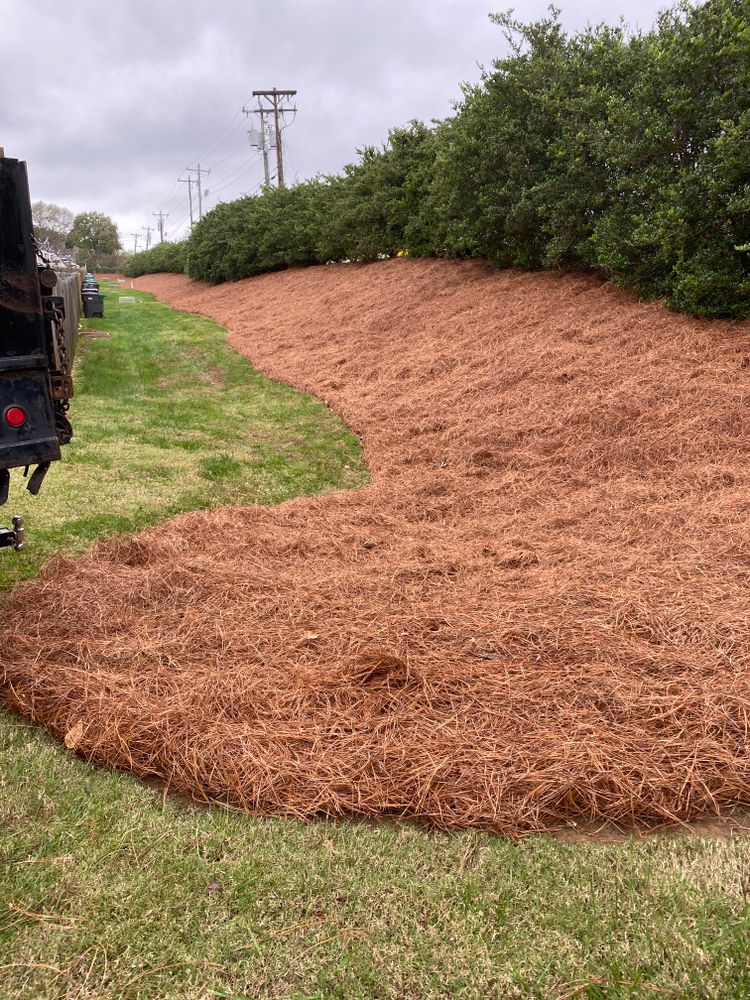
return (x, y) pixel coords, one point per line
(158, 259)
(624, 152)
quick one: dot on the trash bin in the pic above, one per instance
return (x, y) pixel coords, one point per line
(93, 304)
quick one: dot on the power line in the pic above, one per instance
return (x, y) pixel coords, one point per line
(197, 170)
(230, 157)
(189, 181)
(232, 180)
(172, 191)
(204, 156)
(262, 144)
(180, 222)
(227, 130)
(237, 172)
(161, 216)
(291, 163)
(181, 229)
(251, 192)
(178, 228)
(278, 109)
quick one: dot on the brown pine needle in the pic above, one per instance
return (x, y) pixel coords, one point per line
(535, 613)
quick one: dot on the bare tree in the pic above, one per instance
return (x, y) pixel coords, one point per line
(51, 222)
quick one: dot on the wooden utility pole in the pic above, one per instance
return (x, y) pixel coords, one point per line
(262, 143)
(135, 241)
(278, 109)
(264, 148)
(148, 230)
(189, 182)
(161, 216)
(199, 171)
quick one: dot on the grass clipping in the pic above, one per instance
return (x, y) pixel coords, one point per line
(537, 611)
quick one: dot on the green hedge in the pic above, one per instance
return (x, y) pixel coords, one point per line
(160, 258)
(624, 152)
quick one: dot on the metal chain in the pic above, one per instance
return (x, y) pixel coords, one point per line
(62, 346)
(39, 251)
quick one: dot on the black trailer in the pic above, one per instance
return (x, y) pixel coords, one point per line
(36, 347)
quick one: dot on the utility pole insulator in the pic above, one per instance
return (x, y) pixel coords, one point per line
(198, 170)
(262, 141)
(161, 216)
(278, 109)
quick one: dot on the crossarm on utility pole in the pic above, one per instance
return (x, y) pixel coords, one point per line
(199, 170)
(275, 97)
(161, 216)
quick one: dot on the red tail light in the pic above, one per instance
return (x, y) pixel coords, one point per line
(15, 416)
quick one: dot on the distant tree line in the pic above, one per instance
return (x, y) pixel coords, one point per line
(625, 152)
(91, 235)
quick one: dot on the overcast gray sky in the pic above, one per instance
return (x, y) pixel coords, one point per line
(109, 103)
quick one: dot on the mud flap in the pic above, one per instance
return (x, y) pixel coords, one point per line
(37, 478)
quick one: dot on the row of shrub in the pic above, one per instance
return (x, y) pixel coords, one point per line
(625, 152)
(158, 259)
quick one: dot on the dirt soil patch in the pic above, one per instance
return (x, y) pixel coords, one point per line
(537, 611)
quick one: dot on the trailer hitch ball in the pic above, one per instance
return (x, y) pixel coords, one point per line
(20, 532)
(13, 536)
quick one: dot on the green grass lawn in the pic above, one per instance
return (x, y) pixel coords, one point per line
(108, 890)
(168, 418)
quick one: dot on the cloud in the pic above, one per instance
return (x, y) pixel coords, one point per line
(112, 102)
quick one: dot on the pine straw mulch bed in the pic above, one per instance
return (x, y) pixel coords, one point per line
(537, 611)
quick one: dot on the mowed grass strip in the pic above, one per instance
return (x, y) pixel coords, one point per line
(167, 419)
(109, 890)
